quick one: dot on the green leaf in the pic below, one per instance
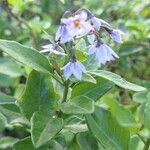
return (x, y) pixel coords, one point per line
(12, 115)
(91, 90)
(9, 67)
(118, 80)
(26, 55)
(140, 97)
(3, 122)
(136, 143)
(78, 105)
(86, 141)
(7, 142)
(5, 99)
(147, 112)
(24, 144)
(44, 128)
(39, 94)
(107, 131)
(17, 4)
(6, 81)
(124, 117)
(76, 128)
(81, 56)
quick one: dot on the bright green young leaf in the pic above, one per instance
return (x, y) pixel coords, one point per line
(39, 94)
(78, 105)
(147, 112)
(124, 117)
(7, 142)
(91, 90)
(86, 141)
(107, 131)
(5, 99)
(117, 80)
(81, 56)
(17, 4)
(26, 55)
(44, 128)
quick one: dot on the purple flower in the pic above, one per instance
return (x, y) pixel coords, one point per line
(103, 53)
(77, 25)
(75, 68)
(116, 35)
(52, 49)
(63, 35)
(91, 38)
(95, 22)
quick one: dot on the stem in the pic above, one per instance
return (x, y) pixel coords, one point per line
(141, 138)
(57, 79)
(65, 93)
(22, 21)
(146, 147)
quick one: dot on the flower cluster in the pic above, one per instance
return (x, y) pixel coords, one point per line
(79, 24)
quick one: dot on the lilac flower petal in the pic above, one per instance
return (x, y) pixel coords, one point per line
(116, 35)
(45, 51)
(81, 66)
(91, 38)
(92, 49)
(76, 68)
(47, 46)
(57, 52)
(67, 70)
(76, 71)
(63, 35)
(96, 23)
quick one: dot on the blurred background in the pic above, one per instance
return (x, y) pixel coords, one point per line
(25, 20)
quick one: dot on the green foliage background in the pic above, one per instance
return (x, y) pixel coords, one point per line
(25, 21)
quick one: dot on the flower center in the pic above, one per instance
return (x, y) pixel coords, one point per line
(77, 23)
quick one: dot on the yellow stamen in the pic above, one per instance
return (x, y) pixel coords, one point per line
(77, 23)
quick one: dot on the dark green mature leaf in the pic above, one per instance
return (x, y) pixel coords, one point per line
(78, 105)
(136, 143)
(117, 80)
(12, 115)
(39, 94)
(124, 117)
(7, 142)
(44, 128)
(91, 90)
(86, 141)
(5, 99)
(107, 131)
(3, 122)
(147, 112)
(9, 67)
(6, 80)
(24, 144)
(26, 55)
(140, 97)
(76, 128)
